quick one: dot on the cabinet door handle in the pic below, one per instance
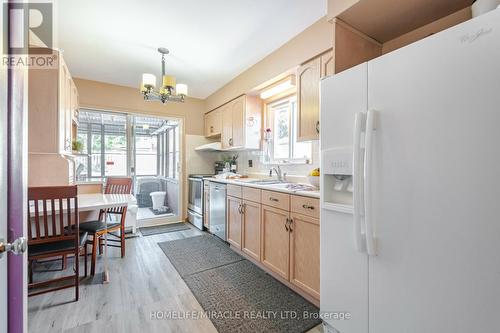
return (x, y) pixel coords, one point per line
(211, 129)
(290, 225)
(273, 199)
(286, 224)
(317, 127)
(231, 141)
(239, 209)
(242, 209)
(307, 207)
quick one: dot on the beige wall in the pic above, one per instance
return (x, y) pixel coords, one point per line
(105, 96)
(336, 7)
(314, 40)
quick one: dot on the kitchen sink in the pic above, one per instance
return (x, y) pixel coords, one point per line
(268, 182)
(295, 187)
(283, 185)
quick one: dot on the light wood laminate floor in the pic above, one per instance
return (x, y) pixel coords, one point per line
(142, 283)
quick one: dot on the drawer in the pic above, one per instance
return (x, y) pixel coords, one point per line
(276, 199)
(251, 194)
(305, 206)
(234, 190)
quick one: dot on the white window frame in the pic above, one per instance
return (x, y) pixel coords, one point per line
(269, 117)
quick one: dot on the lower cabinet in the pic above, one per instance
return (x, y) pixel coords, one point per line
(282, 234)
(251, 229)
(275, 240)
(234, 217)
(304, 253)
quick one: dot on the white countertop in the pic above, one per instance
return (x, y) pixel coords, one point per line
(94, 201)
(271, 187)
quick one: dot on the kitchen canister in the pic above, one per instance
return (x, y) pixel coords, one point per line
(483, 6)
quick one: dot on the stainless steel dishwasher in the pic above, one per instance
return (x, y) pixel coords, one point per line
(218, 209)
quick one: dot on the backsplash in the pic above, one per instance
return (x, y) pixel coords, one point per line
(262, 169)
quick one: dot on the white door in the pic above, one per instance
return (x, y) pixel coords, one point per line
(436, 187)
(344, 270)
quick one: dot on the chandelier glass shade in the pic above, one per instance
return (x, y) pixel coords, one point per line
(169, 89)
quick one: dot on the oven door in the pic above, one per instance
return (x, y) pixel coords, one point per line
(195, 202)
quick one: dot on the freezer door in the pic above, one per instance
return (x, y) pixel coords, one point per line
(436, 186)
(344, 270)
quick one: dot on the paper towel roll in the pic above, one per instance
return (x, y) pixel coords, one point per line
(483, 6)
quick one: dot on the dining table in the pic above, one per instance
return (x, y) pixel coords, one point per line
(100, 201)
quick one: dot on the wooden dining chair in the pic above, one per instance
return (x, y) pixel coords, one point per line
(53, 231)
(97, 229)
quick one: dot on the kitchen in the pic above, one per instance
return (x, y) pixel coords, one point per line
(320, 182)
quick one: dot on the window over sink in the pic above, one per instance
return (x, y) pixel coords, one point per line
(281, 145)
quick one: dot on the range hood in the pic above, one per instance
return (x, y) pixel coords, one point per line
(212, 146)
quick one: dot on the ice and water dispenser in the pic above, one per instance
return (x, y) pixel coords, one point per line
(337, 170)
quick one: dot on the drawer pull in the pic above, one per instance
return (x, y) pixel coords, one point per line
(273, 199)
(307, 207)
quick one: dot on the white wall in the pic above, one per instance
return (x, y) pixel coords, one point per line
(199, 162)
(294, 172)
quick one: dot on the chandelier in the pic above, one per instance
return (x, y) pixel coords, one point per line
(166, 92)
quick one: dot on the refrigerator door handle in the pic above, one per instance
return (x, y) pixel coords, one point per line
(370, 128)
(357, 182)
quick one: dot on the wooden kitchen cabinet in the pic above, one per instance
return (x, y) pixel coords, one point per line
(304, 253)
(275, 243)
(52, 103)
(308, 79)
(241, 123)
(227, 126)
(251, 229)
(327, 64)
(234, 218)
(213, 123)
(308, 76)
(278, 230)
(65, 108)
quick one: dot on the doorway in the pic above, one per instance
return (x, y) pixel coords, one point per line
(143, 147)
(156, 169)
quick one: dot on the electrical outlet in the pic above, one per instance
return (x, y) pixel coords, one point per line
(250, 163)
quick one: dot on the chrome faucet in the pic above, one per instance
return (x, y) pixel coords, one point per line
(279, 173)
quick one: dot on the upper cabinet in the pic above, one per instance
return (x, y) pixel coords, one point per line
(53, 105)
(239, 123)
(52, 124)
(213, 123)
(309, 75)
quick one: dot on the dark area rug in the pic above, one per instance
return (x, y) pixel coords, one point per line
(196, 254)
(237, 295)
(161, 229)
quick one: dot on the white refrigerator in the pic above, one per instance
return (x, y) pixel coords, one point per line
(410, 187)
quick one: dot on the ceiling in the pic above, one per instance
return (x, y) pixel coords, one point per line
(210, 42)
